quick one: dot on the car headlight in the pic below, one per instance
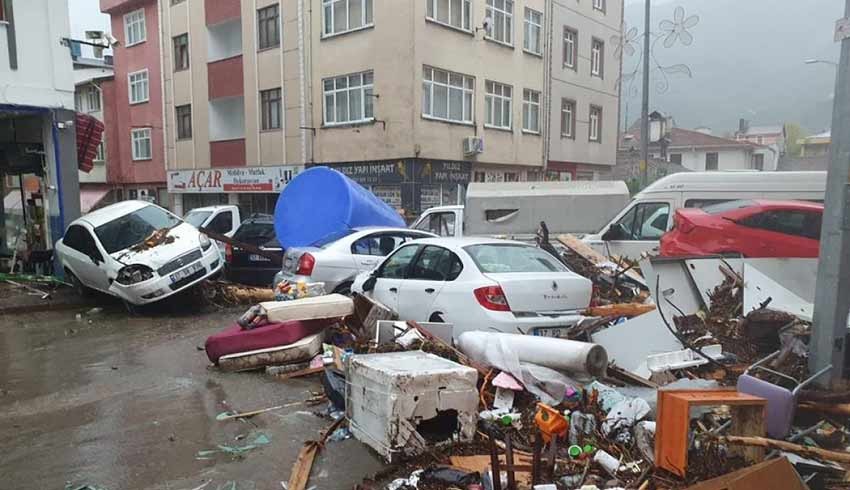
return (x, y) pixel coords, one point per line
(132, 274)
(205, 242)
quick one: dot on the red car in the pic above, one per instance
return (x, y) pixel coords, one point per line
(752, 228)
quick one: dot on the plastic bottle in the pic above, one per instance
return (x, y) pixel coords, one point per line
(608, 462)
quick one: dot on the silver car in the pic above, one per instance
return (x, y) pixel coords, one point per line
(337, 259)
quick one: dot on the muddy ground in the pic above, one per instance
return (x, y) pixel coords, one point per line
(127, 402)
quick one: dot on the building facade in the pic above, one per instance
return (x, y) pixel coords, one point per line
(584, 73)
(411, 99)
(92, 78)
(134, 112)
(37, 128)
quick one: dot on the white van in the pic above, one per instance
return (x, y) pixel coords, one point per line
(638, 227)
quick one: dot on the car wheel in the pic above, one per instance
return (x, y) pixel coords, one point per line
(81, 290)
(343, 289)
(436, 318)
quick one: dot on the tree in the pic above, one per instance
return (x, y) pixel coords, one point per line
(793, 133)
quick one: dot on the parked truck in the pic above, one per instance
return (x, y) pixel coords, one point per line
(515, 209)
(222, 219)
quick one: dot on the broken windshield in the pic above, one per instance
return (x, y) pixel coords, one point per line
(130, 229)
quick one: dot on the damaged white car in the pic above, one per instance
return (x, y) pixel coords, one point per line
(136, 251)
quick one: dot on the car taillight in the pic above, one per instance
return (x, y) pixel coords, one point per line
(228, 253)
(492, 298)
(305, 265)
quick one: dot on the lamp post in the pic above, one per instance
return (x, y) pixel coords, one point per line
(644, 109)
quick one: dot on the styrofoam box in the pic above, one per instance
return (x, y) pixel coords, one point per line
(402, 402)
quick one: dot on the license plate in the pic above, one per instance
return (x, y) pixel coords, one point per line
(188, 271)
(556, 332)
(258, 258)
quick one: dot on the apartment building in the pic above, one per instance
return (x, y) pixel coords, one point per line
(585, 95)
(411, 99)
(134, 113)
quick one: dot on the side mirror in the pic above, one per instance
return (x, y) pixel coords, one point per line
(611, 234)
(369, 284)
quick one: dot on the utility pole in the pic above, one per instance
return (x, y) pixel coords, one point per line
(832, 293)
(644, 112)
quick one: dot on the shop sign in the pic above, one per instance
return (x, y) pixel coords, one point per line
(409, 170)
(240, 179)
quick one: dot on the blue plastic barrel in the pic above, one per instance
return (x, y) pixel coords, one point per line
(321, 202)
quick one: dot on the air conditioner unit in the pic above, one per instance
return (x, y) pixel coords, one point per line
(473, 145)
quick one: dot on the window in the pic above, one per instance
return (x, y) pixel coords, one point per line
(141, 143)
(175, 2)
(222, 223)
(479, 177)
(570, 47)
(645, 221)
(93, 99)
(711, 161)
(181, 52)
(138, 83)
(595, 126)
(531, 111)
(676, 158)
(497, 258)
(533, 39)
(379, 245)
(501, 14)
(758, 161)
(100, 154)
(348, 99)
(268, 27)
(599, 5)
(497, 105)
(270, 109)
(568, 118)
(78, 100)
(134, 28)
(184, 121)
(788, 222)
(446, 95)
(442, 224)
(396, 266)
(454, 13)
(511, 177)
(436, 264)
(597, 53)
(346, 15)
(79, 239)
(2, 10)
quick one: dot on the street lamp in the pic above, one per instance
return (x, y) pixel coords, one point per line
(813, 61)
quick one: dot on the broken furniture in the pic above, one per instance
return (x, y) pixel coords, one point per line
(297, 352)
(402, 402)
(781, 402)
(775, 474)
(328, 306)
(673, 421)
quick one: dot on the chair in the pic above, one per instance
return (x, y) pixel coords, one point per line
(781, 402)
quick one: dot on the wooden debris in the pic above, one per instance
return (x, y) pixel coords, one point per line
(628, 310)
(245, 415)
(809, 452)
(301, 373)
(301, 469)
(226, 293)
(830, 408)
(594, 257)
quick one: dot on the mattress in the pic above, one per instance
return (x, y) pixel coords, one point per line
(300, 351)
(317, 307)
(234, 339)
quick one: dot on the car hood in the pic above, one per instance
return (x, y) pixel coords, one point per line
(185, 239)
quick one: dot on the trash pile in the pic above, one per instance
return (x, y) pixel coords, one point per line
(692, 373)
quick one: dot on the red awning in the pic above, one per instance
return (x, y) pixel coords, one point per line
(89, 136)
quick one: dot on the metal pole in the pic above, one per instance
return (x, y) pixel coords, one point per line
(832, 293)
(644, 114)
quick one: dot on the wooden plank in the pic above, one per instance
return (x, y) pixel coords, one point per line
(301, 469)
(275, 256)
(748, 421)
(805, 451)
(301, 373)
(629, 310)
(592, 256)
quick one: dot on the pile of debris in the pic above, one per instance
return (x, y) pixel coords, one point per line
(693, 374)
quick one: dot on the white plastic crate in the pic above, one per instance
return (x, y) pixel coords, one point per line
(402, 402)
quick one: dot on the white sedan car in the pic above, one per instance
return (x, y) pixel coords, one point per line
(113, 250)
(337, 259)
(478, 284)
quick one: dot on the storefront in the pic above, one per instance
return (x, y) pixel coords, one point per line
(411, 184)
(254, 189)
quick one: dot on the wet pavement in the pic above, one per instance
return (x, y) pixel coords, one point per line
(127, 402)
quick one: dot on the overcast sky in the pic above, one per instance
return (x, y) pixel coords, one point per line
(86, 16)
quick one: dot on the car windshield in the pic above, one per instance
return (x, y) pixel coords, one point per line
(196, 218)
(133, 228)
(496, 258)
(727, 206)
(328, 239)
(255, 233)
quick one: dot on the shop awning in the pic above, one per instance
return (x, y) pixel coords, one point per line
(89, 198)
(89, 136)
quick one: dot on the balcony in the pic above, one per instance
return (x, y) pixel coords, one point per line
(224, 40)
(218, 11)
(224, 78)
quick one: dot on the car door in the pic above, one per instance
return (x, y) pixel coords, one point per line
(87, 260)
(638, 231)
(222, 223)
(431, 269)
(442, 224)
(782, 233)
(390, 276)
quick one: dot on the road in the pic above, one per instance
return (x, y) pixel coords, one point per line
(123, 402)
